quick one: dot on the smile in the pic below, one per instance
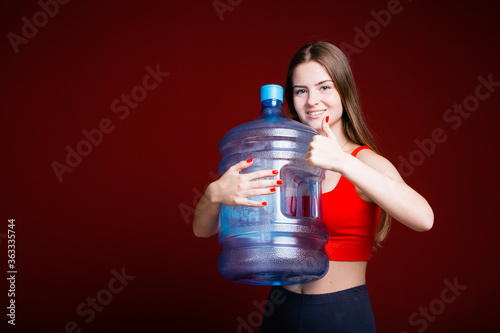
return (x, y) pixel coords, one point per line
(315, 113)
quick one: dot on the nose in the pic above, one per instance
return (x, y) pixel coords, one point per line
(312, 98)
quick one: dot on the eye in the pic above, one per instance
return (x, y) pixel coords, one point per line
(324, 88)
(300, 91)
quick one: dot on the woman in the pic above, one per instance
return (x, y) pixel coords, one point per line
(361, 191)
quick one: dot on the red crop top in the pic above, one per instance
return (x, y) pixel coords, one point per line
(351, 222)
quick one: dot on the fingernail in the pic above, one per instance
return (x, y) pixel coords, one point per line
(279, 182)
(273, 190)
(250, 160)
(275, 172)
(327, 118)
(264, 203)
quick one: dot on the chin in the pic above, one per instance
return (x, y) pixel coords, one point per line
(314, 125)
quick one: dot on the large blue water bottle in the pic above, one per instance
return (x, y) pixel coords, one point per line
(283, 242)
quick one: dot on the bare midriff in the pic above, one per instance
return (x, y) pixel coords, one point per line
(341, 275)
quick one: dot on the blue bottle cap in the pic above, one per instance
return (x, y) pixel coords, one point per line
(271, 91)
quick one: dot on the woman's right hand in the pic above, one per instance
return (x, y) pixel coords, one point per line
(234, 188)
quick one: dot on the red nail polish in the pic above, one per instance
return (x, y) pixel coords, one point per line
(264, 203)
(279, 182)
(275, 172)
(327, 118)
(250, 160)
(273, 190)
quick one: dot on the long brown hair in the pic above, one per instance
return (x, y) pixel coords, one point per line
(336, 64)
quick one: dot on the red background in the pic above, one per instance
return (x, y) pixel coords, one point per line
(128, 204)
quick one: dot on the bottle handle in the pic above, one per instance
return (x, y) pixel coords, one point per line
(299, 197)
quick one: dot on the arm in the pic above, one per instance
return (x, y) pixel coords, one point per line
(378, 180)
(231, 189)
(206, 214)
(375, 178)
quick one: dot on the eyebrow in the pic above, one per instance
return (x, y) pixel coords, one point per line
(317, 84)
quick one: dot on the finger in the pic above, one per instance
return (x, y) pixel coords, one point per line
(326, 128)
(309, 160)
(241, 165)
(252, 203)
(262, 174)
(255, 185)
(258, 192)
(314, 142)
(262, 184)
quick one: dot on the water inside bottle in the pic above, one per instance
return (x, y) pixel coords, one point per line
(283, 242)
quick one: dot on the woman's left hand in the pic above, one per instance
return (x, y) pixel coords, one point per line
(324, 150)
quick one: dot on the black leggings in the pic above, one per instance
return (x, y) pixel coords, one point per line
(343, 311)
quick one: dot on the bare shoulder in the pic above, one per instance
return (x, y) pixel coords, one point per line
(379, 163)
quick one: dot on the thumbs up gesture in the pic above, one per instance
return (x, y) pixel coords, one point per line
(324, 150)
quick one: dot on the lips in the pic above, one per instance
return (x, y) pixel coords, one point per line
(315, 114)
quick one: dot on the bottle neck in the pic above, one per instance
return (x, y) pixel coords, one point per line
(272, 108)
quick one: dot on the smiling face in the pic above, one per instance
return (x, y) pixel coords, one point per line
(315, 96)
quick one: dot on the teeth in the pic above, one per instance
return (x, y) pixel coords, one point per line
(315, 113)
